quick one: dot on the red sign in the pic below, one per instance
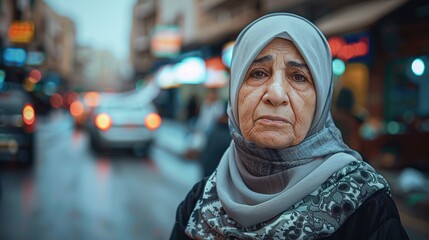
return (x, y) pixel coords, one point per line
(348, 50)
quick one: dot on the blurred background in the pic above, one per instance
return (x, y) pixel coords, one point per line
(110, 111)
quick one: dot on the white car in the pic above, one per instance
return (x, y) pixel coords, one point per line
(125, 121)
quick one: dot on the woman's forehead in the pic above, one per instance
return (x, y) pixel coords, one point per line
(278, 46)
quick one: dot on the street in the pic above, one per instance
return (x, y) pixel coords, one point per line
(73, 193)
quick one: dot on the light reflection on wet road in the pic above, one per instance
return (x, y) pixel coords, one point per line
(72, 193)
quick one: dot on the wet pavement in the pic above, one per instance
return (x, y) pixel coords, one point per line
(73, 193)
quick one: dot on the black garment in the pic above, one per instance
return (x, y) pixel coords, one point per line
(217, 142)
(377, 218)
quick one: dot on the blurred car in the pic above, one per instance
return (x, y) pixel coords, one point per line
(17, 125)
(123, 123)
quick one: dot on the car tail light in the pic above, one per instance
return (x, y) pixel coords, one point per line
(152, 121)
(28, 114)
(29, 118)
(103, 121)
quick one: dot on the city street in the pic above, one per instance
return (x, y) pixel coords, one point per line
(73, 193)
(117, 109)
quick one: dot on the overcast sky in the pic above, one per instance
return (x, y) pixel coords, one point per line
(103, 24)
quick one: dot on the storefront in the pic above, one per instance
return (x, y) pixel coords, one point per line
(399, 92)
(381, 61)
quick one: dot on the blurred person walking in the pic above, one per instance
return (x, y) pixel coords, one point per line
(287, 173)
(210, 110)
(218, 141)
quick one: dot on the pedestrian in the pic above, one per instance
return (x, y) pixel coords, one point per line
(287, 173)
(192, 110)
(218, 141)
(345, 118)
(211, 109)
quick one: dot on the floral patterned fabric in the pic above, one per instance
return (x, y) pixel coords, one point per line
(317, 215)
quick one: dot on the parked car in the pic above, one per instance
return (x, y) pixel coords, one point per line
(121, 123)
(17, 125)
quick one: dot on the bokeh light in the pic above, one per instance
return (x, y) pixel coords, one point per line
(103, 121)
(166, 77)
(56, 100)
(91, 99)
(29, 85)
(227, 54)
(50, 88)
(76, 108)
(28, 114)
(418, 67)
(191, 70)
(338, 67)
(35, 76)
(393, 127)
(153, 121)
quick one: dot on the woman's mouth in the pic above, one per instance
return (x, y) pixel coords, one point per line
(272, 120)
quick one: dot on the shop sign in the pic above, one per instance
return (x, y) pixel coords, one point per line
(351, 47)
(14, 56)
(35, 58)
(21, 31)
(166, 41)
(217, 76)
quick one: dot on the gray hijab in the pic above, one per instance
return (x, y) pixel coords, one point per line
(255, 184)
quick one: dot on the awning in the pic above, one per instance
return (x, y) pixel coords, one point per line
(356, 16)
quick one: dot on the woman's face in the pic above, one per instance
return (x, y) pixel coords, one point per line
(277, 100)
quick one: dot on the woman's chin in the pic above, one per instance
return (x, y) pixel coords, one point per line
(274, 141)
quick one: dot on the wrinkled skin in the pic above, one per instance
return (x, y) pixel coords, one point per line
(277, 100)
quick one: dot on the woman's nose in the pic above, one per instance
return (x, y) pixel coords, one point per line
(276, 91)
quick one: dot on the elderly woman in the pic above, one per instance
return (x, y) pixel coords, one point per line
(287, 174)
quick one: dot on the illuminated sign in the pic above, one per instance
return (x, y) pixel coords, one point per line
(217, 75)
(166, 41)
(21, 32)
(346, 49)
(191, 70)
(165, 77)
(14, 57)
(35, 58)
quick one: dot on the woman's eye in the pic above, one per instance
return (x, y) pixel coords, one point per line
(258, 74)
(299, 78)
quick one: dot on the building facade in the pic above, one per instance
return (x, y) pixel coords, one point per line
(53, 35)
